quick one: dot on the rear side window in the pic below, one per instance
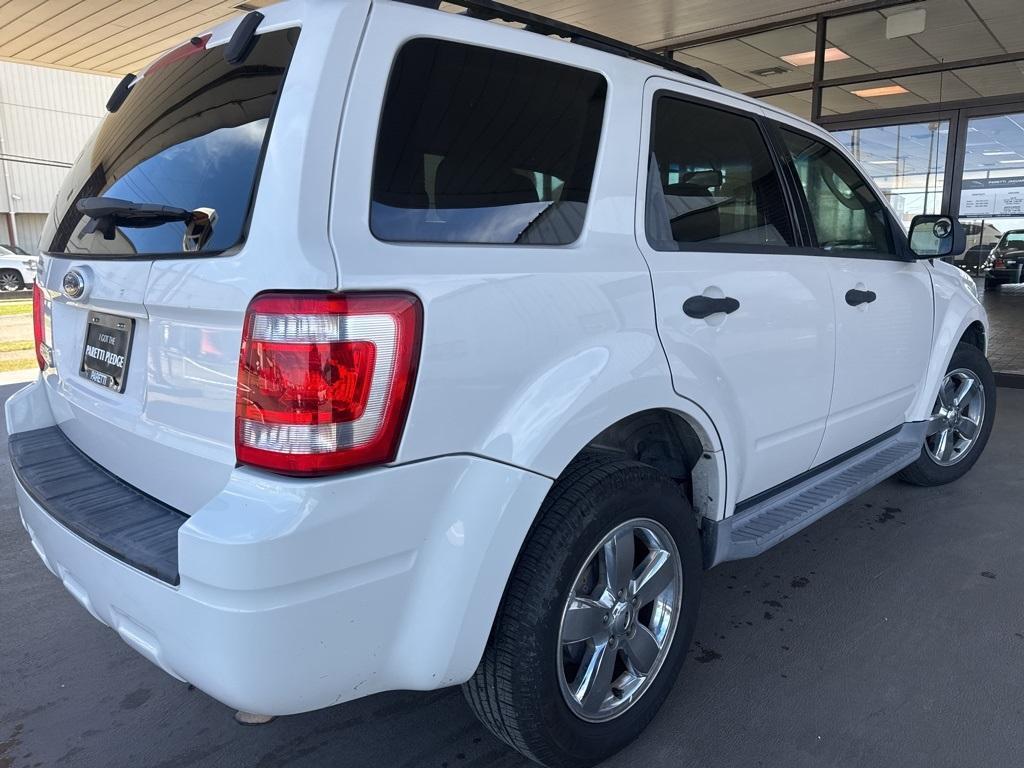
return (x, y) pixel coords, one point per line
(712, 181)
(482, 146)
(190, 135)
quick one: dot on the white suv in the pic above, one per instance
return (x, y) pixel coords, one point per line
(389, 348)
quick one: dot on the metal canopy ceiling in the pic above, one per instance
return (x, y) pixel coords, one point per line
(106, 36)
(118, 36)
(955, 31)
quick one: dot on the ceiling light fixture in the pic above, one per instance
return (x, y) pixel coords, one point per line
(769, 71)
(993, 152)
(807, 57)
(1005, 162)
(883, 162)
(885, 90)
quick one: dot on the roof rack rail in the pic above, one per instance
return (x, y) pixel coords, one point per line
(489, 11)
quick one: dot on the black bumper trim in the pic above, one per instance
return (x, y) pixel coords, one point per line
(94, 504)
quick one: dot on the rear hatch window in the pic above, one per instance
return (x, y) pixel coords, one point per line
(191, 134)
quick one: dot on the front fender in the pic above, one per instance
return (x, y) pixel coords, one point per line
(956, 308)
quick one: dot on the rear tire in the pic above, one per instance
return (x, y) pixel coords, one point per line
(992, 285)
(522, 689)
(934, 466)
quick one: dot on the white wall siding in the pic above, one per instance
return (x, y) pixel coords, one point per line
(30, 228)
(41, 135)
(56, 90)
(46, 116)
(34, 186)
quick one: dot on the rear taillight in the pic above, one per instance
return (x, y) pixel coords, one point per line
(39, 326)
(325, 380)
(999, 263)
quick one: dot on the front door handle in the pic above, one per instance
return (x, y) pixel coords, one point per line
(855, 297)
(705, 306)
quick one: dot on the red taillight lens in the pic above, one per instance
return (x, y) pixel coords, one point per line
(39, 324)
(999, 263)
(324, 380)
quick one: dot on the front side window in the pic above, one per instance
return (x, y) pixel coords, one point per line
(712, 181)
(483, 146)
(846, 213)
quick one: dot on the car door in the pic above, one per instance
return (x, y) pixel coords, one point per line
(882, 298)
(744, 314)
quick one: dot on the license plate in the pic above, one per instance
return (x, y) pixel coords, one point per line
(108, 345)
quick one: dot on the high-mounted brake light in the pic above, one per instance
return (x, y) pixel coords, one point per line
(325, 380)
(193, 47)
(39, 325)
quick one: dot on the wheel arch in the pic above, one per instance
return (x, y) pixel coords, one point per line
(975, 335)
(677, 445)
(675, 439)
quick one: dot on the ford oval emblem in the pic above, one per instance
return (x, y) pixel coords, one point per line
(73, 284)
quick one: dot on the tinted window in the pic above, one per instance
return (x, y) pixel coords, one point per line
(482, 146)
(845, 212)
(190, 134)
(1013, 241)
(711, 181)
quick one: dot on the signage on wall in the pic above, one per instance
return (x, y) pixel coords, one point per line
(993, 197)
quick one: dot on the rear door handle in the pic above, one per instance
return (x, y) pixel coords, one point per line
(705, 306)
(855, 297)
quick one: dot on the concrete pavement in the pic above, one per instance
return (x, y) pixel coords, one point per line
(891, 633)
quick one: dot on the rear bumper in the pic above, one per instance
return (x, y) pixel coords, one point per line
(299, 594)
(1010, 275)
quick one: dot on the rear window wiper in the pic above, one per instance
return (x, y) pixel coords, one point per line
(107, 213)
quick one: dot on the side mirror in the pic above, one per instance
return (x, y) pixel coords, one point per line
(935, 237)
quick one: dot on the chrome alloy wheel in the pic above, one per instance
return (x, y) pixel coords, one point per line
(957, 418)
(619, 620)
(9, 281)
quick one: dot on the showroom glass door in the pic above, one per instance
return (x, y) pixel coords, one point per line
(992, 192)
(991, 207)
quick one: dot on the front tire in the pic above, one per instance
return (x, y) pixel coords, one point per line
(573, 670)
(10, 280)
(961, 420)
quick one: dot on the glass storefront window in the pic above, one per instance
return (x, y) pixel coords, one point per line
(907, 162)
(982, 236)
(993, 180)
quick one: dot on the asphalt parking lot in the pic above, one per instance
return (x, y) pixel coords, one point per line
(889, 634)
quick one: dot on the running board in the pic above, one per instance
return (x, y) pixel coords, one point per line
(769, 521)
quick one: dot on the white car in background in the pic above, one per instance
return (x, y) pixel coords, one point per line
(17, 270)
